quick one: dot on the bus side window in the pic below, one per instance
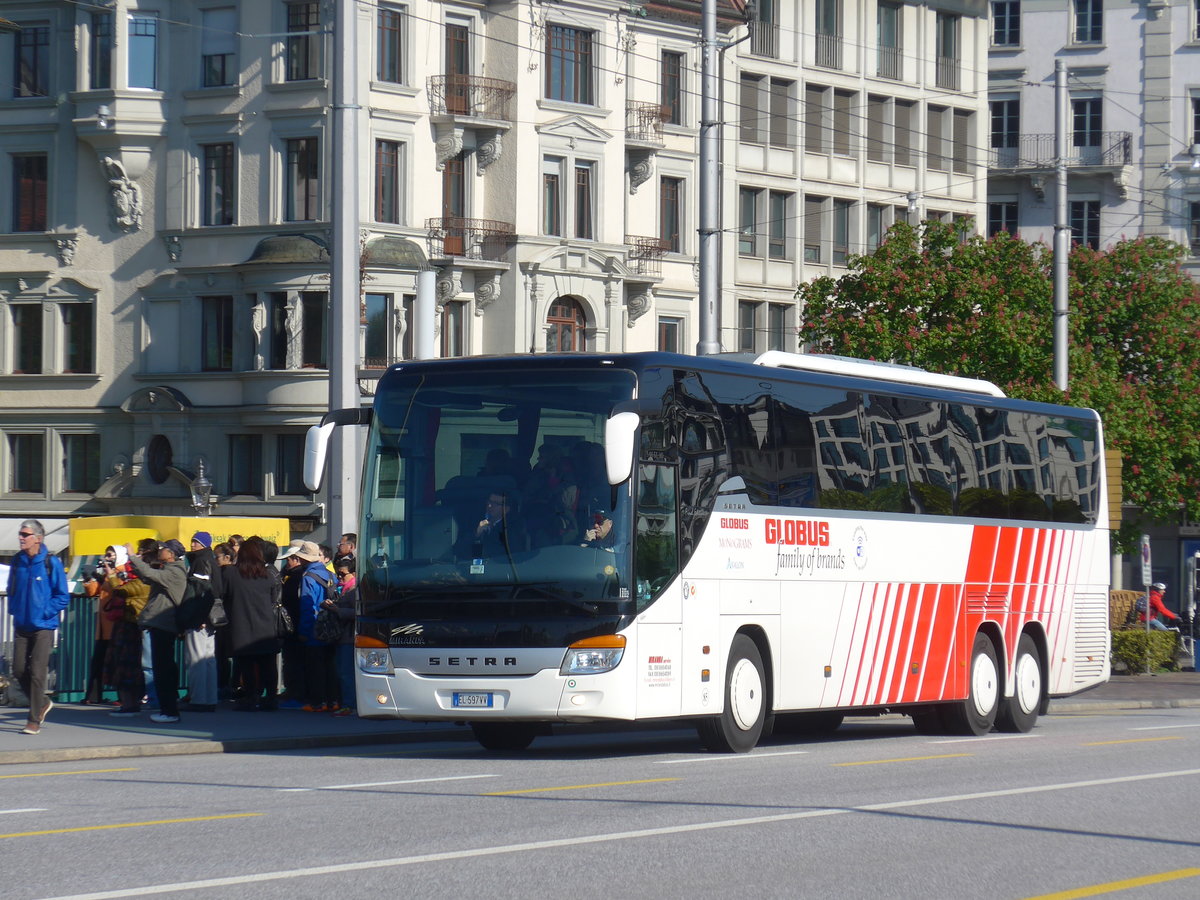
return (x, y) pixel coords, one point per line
(656, 559)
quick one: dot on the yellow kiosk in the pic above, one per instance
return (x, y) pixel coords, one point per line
(90, 535)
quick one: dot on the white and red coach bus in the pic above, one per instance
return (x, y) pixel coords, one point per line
(793, 539)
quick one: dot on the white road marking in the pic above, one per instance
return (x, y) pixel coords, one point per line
(1163, 727)
(574, 842)
(732, 756)
(5, 812)
(367, 784)
(987, 737)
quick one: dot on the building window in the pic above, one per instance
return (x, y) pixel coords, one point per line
(387, 182)
(747, 314)
(766, 115)
(314, 306)
(887, 32)
(302, 55)
(947, 51)
(100, 48)
(1085, 223)
(748, 199)
(841, 231)
(143, 50)
(32, 77)
(27, 338)
(81, 463)
(1196, 112)
(390, 51)
(216, 334)
(584, 201)
(751, 126)
(875, 227)
(566, 326)
(377, 308)
(777, 336)
(670, 334)
(877, 142)
(552, 199)
(844, 115)
(764, 30)
(1006, 132)
(935, 138)
(29, 191)
(669, 213)
(815, 113)
(961, 124)
(218, 47)
(829, 33)
(1006, 23)
(27, 463)
(778, 218)
(1086, 122)
(301, 183)
(277, 314)
(218, 186)
(245, 464)
(779, 121)
(454, 330)
(1194, 226)
(78, 338)
(814, 208)
(289, 465)
(569, 64)
(671, 92)
(1002, 216)
(1089, 21)
(903, 117)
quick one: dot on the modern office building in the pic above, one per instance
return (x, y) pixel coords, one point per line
(165, 227)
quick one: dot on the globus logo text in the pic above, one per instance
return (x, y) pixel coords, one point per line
(797, 532)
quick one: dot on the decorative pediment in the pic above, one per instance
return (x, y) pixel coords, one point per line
(159, 399)
(574, 129)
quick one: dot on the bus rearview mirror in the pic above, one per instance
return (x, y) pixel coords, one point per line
(619, 432)
(316, 445)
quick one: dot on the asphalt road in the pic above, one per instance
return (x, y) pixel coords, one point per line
(1085, 800)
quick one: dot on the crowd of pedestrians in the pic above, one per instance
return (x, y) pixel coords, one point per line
(221, 602)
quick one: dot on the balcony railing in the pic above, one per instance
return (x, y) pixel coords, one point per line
(470, 96)
(764, 39)
(646, 253)
(469, 238)
(947, 72)
(1036, 151)
(829, 50)
(888, 64)
(644, 121)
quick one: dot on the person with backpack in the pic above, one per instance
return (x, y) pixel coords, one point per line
(37, 593)
(320, 671)
(1157, 608)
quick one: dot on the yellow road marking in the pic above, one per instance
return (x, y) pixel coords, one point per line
(1097, 889)
(80, 772)
(128, 825)
(578, 787)
(1172, 737)
(878, 762)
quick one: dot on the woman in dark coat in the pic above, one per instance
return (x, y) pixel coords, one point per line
(250, 591)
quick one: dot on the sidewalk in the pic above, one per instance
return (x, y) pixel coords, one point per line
(76, 732)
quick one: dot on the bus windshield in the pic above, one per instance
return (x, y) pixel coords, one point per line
(486, 500)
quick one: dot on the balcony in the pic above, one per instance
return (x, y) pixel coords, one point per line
(829, 50)
(644, 123)
(888, 63)
(948, 72)
(470, 97)
(646, 253)
(764, 39)
(454, 236)
(1107, 149)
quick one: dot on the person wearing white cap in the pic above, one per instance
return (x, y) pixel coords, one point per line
(320, 672)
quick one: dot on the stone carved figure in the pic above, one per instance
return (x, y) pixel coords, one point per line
(258, 322)
(125, 197)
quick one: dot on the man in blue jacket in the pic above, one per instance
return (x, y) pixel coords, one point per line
(37, 593)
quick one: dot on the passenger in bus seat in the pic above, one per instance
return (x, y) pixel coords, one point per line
(500, 531)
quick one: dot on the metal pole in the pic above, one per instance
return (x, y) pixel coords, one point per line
(425, 313)
(710, 185)
(1062, 226)
(345, 286)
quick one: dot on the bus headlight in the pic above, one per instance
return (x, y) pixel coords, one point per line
(374, 657)
(591, 656)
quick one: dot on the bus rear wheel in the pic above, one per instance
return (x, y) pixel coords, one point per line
(738, 728)
(977, 714)
(1019, 712)
(503, 736)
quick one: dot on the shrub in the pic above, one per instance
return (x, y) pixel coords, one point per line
(1130, 648)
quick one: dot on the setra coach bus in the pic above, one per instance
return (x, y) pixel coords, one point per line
(749, 543)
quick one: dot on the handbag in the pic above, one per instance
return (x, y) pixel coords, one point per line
(328, 627)
(283, 622)
(216, 615)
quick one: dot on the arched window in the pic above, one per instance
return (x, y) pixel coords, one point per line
(565, 326)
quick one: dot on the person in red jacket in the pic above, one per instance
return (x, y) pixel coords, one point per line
(1157, 608)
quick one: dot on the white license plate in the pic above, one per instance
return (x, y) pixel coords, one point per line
(473, 700)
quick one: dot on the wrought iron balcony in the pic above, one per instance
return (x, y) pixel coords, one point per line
(646, 253)
(469, 238)
(1037, 151)
(644, 122)
(470, 96)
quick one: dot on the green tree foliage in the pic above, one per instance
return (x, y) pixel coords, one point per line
(984, 308)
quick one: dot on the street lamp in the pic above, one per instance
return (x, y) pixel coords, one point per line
(201, 491)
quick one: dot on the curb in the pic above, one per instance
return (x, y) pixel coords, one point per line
(1117, 705)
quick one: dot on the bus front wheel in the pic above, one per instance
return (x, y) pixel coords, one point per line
(503, 736)
(977, 714)
(739, 727)
(1020, 711)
